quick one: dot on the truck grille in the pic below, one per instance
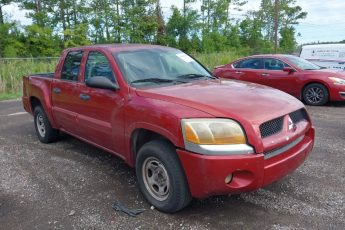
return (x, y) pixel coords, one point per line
(298, 116)
(271, 127)
(275, 126)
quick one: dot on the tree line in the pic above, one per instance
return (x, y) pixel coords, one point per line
(213, 27)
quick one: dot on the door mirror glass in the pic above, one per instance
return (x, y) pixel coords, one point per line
(101, 82)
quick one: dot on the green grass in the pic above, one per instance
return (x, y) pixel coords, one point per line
(11, 71)
(7, 96)
(211, 60)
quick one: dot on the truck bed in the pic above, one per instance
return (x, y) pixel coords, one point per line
(36, 86)
(45, 75)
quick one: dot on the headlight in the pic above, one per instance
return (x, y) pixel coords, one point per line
(214, 136)
(337, 81)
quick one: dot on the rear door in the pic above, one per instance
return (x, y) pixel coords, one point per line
(100, 111)
(64, 97)
(248, 70)
(274, 76)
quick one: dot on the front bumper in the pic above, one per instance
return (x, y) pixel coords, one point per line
(206, 174)
(337, 93)
(342, 94)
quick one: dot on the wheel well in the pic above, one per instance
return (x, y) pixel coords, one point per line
(314, 82)
(141, 137)
(34, 101)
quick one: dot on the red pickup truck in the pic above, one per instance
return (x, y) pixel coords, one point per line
(187, 133)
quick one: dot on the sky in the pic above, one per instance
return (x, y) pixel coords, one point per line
(325, 21)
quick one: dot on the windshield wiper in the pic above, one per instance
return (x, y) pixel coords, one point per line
(154, 80)
(195, 76)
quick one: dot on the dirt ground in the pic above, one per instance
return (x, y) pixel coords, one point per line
(72, 185)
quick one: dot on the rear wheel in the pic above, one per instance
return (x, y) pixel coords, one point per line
(161, 177)
(315, 94)
(45, 132)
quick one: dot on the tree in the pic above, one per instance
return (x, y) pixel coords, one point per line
(11, 44)
(38, 11)
(212, 28)
(287, 42)
(139, 20)
(161, 28)
(40, 41)
(286, 16)
(181, 26)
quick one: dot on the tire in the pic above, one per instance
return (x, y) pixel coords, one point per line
(45, 132)
(315, 94)
(161, 177)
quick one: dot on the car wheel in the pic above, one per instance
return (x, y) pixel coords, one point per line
(161, 177)
(315, 94)
(44, 130)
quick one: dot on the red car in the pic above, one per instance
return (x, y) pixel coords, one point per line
(291, 74)
(187, 133)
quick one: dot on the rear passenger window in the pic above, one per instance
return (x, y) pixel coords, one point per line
(97, 65)
(253, 63)
(71, 66)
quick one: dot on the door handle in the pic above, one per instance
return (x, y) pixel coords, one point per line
(57, 90)
(84, 97)
(238, 72)
(265, 74)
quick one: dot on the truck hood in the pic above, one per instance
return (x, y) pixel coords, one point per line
(238, 100)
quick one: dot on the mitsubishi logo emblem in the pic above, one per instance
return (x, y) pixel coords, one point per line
(292, 126)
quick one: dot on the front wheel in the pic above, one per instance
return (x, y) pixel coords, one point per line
(45, 132)
(315, 94)
(161, 177)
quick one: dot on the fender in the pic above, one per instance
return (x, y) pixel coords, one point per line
(175, 139)
(40, 89)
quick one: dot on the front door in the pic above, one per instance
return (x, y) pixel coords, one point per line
(100, 113)
(274, 76)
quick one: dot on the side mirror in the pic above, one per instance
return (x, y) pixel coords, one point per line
(289, 70)
(101, 83)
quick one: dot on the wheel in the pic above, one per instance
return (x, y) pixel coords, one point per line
(315, 94)
(161, 177)
(44, 130)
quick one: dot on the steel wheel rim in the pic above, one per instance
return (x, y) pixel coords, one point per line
(40, 125)
(315, 95)
(156, 178)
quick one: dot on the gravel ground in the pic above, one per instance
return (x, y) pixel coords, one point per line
(72, 185)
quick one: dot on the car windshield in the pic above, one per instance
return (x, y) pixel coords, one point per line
(158, 67)
(302, 63)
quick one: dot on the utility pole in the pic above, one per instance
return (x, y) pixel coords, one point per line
(276, 24)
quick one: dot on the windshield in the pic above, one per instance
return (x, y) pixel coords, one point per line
(302, 63)
(159, 66)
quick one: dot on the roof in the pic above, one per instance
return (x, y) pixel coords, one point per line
(270, 55)
(331, 45)
(121, 47)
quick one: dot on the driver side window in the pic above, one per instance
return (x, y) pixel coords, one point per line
(274, 64)
(97, 65)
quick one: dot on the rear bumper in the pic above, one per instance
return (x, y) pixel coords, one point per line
(206, 174)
